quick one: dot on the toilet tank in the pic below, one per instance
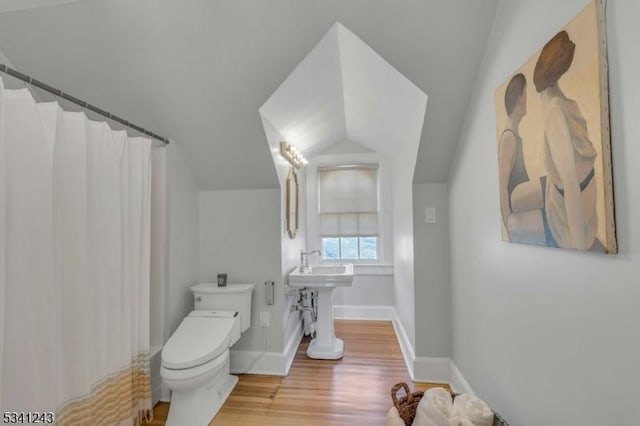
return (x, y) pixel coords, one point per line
(232, 297)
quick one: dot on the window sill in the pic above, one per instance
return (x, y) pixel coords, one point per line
(364, 269)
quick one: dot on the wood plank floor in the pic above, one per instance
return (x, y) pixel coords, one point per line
(352, 391)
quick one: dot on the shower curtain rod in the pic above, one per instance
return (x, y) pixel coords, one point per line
(32, 81)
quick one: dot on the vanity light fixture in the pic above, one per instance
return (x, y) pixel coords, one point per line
(292, 155)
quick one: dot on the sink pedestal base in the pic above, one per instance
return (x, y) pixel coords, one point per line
(326, 345)
(319, 351)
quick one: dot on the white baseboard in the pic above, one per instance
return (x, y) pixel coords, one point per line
(156, 390)
(405, 343)
(421, 369)
(165, 393)
(156, 379)
(292, 347)
(457, 381)
(269, 363)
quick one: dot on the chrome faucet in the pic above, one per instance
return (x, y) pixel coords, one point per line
(304, 260)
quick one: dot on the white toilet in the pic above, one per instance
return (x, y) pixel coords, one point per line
(195, 359)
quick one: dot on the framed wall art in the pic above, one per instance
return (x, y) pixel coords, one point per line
(292, 203)
(554, 152)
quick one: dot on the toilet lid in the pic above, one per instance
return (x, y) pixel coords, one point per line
(200, 338)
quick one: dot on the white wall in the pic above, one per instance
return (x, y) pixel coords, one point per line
(403, 165)
(183, 239)
(290, 251)
(431, 260)
(240, 236)
(289, 247)
(547, 336)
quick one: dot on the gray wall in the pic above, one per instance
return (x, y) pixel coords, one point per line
(240, 235)
(11, 82)
(183, 239)
(432, 289)
(366, 290)
(4, 60)
(547, 336)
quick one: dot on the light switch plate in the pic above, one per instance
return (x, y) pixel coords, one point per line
(430, 215)
(264, 319)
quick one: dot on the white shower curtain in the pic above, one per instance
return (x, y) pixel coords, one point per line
(74, 265)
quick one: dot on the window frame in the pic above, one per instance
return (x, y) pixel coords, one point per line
(384, 243)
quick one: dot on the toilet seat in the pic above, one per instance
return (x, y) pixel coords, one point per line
(198, 373)
(201, 337)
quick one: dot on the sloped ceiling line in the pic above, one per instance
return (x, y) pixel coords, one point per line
(14, 5)
(197, 71)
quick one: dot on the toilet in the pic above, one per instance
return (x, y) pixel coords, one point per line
(195, 359)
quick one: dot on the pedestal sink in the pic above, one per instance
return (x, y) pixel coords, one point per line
(323, 279)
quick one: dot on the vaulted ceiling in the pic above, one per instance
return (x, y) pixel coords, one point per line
(344, 91)
(197, 71)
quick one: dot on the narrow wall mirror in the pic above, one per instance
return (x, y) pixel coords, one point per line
(292, 203)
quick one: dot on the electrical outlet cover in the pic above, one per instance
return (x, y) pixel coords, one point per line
(264, 319)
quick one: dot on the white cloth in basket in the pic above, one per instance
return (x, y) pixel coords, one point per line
(436, 409)
(393, 418)
(472, 411)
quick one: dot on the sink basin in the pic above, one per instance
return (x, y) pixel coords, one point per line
(323, 276)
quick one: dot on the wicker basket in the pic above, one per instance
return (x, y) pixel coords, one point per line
(407, 404)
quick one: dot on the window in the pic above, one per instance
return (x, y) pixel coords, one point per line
(348, 212)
